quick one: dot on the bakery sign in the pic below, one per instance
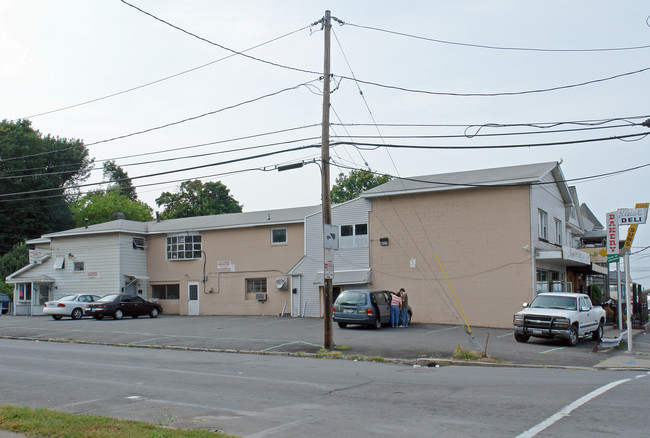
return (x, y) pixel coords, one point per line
(611, 228)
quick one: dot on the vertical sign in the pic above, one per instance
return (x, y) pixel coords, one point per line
(611, 228)
(329, 264)
(631, 232)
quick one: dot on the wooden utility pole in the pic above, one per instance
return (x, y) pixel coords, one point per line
(328, 341)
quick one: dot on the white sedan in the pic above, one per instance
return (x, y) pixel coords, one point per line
(73, 306)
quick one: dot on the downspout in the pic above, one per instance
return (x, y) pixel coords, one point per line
(533, 267)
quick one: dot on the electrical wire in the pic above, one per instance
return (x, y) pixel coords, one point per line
(108, 96)
(509, 48)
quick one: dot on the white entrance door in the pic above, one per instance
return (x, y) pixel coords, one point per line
(193, 298)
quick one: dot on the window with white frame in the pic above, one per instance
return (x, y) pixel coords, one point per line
(558, 231)
(183, 247)
(24, 291)
(278, 236)
(543, 224)
(353, 236)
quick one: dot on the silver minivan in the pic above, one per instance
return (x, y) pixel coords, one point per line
(365, 307)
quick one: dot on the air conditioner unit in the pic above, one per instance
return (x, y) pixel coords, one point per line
(260, 297)
(282, 283)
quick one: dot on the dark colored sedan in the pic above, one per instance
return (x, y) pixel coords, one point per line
(119, 305)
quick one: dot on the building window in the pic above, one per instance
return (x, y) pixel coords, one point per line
(139, 243)
(255, 285)
(165, 291)
(278, 236)
(79, 266)
(354, 236)
(558, 231)
(24, 291)
(184, 247)
(543, 225)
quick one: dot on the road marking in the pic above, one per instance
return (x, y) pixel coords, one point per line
(552, 349)
(565, 411)
(445, 329)
(507, 334)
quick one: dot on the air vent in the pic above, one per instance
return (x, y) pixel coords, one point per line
(281, 283)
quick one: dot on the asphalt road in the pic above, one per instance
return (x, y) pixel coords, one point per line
(292, 335)
(258, 396)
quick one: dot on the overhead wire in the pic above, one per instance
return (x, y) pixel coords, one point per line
(492, 47)
(147, 84)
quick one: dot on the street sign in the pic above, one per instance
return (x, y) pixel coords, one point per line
(613, 258)
(632, 216)
(330, 236)
(328, 267)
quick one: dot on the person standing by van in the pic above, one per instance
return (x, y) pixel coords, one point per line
(404, 313)
(395, 306)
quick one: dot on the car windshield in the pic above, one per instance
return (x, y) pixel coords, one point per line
(352, 299)
(551, 302)
(68, 298)
(108, 298)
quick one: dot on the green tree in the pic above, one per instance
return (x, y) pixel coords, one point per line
(10, 262)
(100, 207)
(350, 186)
(120, 180)
(198, 199)
(38, 175)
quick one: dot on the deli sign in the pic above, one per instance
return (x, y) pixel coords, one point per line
(632, 216)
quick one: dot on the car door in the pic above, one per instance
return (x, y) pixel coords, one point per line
(384, 306)
(139, 306)
(126, 304)
(587, 315)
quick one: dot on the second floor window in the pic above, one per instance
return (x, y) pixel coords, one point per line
(543, 225)
(278, 236)
(354, 236)
(183, 247)
(558, 231)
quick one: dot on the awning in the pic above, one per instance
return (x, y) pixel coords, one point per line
(566, 256)
(361, 276)
(34, 279)
(138, 276)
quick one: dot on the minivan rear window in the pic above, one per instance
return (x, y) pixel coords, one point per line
(350, 298)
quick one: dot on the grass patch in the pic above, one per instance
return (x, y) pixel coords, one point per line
(461, 354)
(48, 423)
(342, 347)
(323, 352)
(378, 359)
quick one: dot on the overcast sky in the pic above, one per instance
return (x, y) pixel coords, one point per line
(58, 54)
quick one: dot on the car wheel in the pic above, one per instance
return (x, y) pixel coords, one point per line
(378, 322)
(154, 313)
(77, 313)
(98, 316)
(598, 334)
(520, 337)
(118, 314)
(56, 317)
(343, 324)
(573, 335)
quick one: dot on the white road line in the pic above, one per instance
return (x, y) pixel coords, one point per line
(569, 408)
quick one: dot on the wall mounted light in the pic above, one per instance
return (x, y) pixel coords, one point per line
(383, 241)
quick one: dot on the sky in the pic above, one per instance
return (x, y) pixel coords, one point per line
(104, 72)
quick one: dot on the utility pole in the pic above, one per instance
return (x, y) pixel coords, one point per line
(328, 341)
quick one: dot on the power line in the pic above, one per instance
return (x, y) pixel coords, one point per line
(505, 93)
(235, 52)
(510, 146)
(484, 46)
(167, 125)
(161, 79)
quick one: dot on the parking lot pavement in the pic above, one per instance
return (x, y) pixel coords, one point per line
(293, 335)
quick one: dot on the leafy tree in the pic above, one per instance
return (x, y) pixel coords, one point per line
(350, 186)
(120, 179)
(100, 207)
(198, 199)
(38, 175)
(10, 262)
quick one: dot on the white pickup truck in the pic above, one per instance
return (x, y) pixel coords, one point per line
(559, 315)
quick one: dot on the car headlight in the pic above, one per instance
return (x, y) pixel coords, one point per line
(518, 320)
(561, 323)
